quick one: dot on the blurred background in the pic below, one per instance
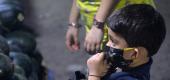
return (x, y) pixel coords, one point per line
(49, 18)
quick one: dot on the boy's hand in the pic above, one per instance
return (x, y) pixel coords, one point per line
(93, 40)
(72, 42)
(97, 65)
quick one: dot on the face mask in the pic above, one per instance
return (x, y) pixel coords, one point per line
(114, 57)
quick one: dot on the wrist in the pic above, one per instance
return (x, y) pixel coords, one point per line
(95, 74)
(72, 24)
(94, 77)
(98, 24)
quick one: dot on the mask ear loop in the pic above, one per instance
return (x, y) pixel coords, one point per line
(128, 62)
(128, 49)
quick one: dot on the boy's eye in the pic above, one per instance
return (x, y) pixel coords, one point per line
(113, 41)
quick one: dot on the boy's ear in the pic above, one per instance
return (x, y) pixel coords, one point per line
(139, 52)
(135, 53)
(131, 54)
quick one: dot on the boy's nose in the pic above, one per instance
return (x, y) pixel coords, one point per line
(110, 44)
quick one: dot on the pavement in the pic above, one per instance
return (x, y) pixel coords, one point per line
(49, 18)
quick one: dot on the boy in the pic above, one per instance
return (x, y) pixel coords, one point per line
(138, 27)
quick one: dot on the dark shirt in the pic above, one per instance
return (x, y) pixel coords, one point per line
(138, 73)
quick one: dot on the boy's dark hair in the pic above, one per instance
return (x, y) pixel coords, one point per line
(140, 25)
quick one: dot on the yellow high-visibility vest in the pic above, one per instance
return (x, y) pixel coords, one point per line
(88, 9)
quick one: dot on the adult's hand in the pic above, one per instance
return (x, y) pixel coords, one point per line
(93, 40)
(72, 42)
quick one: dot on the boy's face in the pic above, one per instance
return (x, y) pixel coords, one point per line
(116, 41)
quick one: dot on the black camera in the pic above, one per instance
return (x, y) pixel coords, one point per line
(114, 57)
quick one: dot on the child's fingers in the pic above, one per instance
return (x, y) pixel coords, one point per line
(99, 56)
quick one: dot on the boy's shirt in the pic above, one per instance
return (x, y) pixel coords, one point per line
(139, 73)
